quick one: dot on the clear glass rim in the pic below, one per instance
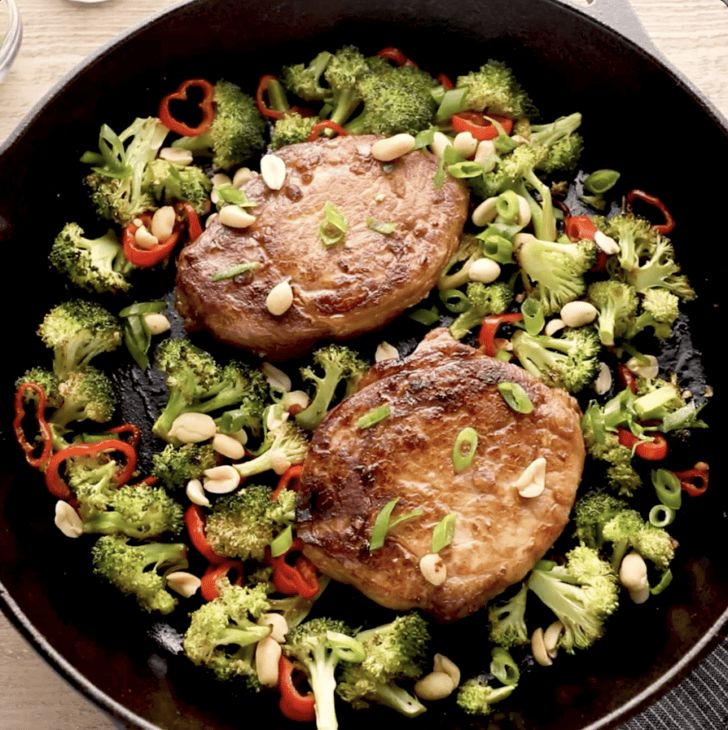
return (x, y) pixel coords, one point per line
(13, 34)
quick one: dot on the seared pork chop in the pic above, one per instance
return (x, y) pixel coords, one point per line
(340, 291)
(351, 472)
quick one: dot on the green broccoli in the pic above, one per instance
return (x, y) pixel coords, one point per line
(591, 513)
(94, 264)
(455, 273)
(92, 480)
(282, 447)
(47, 380)
(563, 143)
(343, 73)
(168, 183)
(507, 620)
(242, 524)
(138, 510)
(175, 466)
(116, 182)
(493, 88)
(198, 384)
(291, 128)
(319, 645)
(304, 80)
(656, 545)
(620, 531)
(395, 651)
(659, 310)
(87, 395)
(582, 594)
(396, 100)
(484, 299)
(223, 633)
(553, 272)
(476, 696)
(340, 365)
(617, 303)
(570, 361)
(237, 131)
(140, 570)
(78, 331)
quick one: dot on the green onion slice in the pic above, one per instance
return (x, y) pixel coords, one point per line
(664, 582)
(463, 450)
(383, 523)
(444, 532)
(282, 542)
(374, 416)
(228, 193)
(236, 270)
(455, 300)
(452, 102)
(503, 667)
(143, 308)
(377, 226)
(661, 515)
(533, 317)
(667, 487)
(136, 333)
(424, 138)
(465, 169)
(334, 227)
(600, 181)
(508, 206)
(427, 317)
(346, 648)
(516, 397)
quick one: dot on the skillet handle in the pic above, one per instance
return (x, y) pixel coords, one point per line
(619, 15)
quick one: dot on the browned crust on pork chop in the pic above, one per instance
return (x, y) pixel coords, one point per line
(339, 292)
(351, 473)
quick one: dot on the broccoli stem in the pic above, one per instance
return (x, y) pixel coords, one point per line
(399, 699)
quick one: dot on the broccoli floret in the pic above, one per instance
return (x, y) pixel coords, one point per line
(318, 646)
(395, 651)
(659, 310)
(656, 545)
(140, 570)
(340, 365)
(617, 303)
(476, 696)
(484, 299)
(507, 620)
(93, 264)
(291, 128)
(395, 100)
(117, 181)
(563, 143)
(621, 531)
(591, 513)
(198, 384)
(282, 447)
(582, 594)
(47, 380)
(92, 481)
(620, 472)
(223, 633)
(242, 524)
(304, 80)
(175, 466)
(295, 609)
(343, 72)
(237, 131)
(78, 331)
(137, 510)
(168, 183)
(455, 273)
(493, 88)
(553, 272)
(570, 361)
(87, 395)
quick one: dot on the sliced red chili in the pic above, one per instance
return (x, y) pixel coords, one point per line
(669, 223)
(579, 228)
(694, 482)
(132, 429)
(290, 479)
(195, 524)
(194, 226)
(299, 578)
(479, 124)
(445, 81)
(208, 583)
(40, 460)
(146, 257)
(395, 55)
(626, 377)
(261, 97)
(654, 450)
(206, 105)
(319, 127)
(294, 704)
(57, 485)
(489, 330)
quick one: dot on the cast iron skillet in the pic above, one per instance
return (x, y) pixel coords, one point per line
(636, 108)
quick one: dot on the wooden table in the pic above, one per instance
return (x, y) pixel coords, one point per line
(58, 34)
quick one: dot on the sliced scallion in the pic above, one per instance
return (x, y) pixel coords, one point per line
(600, 181)
(334, 227)
(443, 532)
(503, 667)
(236, 270)
(463, 450)
(346, 648)
(378, 226)
(383, 523)
(465, 169)
(667, 487)
(533, 318)
(282, 542)
(665, 581)
(508, 206)
(228, 193)
(453, 101)
(515, 396)
(455, 300)
(661, 516)
(427, 317)
(374, 416)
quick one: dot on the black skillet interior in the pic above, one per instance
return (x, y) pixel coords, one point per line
(638, 118)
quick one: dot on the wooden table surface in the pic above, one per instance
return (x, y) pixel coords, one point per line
(58, 34)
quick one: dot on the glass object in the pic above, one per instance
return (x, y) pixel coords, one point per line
(11, 33)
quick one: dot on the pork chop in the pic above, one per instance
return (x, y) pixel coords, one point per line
(351, 472)
(339, 291)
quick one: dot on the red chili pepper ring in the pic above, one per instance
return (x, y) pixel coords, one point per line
(207, 105)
